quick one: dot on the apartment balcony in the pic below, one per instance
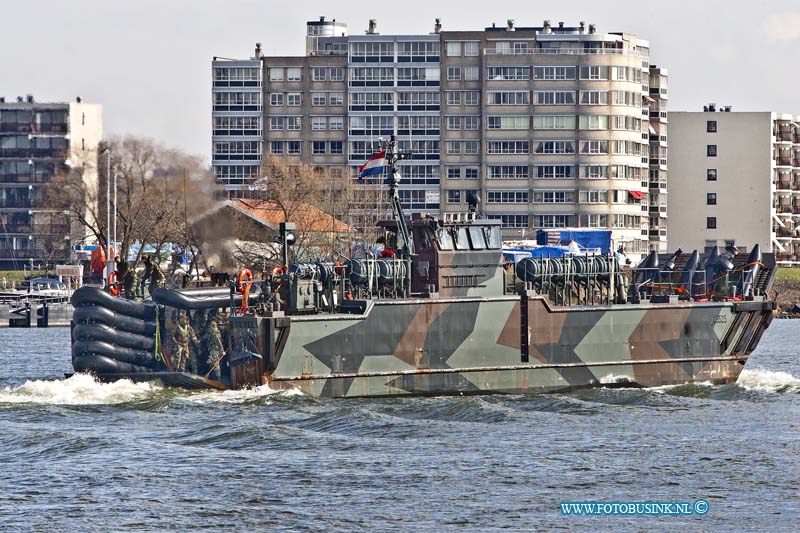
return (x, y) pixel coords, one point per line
(785, 136)
(784, 185)
(11, 127)
(785, 209)
(24, 178)
(784, 161)
(783, 233)
(561, 51)
(785, 258)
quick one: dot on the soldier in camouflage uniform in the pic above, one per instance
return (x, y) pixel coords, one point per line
(213, 342)
(184, 337)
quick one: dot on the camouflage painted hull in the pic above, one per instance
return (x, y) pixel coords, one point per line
(510, 344)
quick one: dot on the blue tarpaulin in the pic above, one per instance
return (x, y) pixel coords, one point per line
(588, 238)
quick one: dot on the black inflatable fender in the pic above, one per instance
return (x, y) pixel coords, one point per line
(125, 355)
(115, 320)
(105, 333)
(195, 299)
(99, 364)
(87, 296)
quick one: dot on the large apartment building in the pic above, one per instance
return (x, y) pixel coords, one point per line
(553, 126)
(37, 141)
(735, 180)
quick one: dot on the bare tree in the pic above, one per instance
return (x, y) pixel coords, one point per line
(158, 190)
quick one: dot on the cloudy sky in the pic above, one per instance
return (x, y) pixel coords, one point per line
(148, 61)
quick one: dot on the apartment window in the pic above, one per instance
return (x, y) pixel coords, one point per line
(276, 123)
(594, 97)
(554, 97)
(453, 98)
(554, 147)
(594, 221)
(508, 172)
(453, 123)
(453, 147)
(711, 198)
(510, 122)
(318, 99)
(593, 122)
(453, 48)
(594, 172)
(293, 147)
(453, 73)
(711, 222)
(453, 197)
(507, 197)
(594, 147)
(294, 99)
(337, 74)
(472, 97)
(594, 73)
(318, 123)
(711, 174)
(471, 49)
(711, 126)
(294, 74)
(593, 197)
(336, 123)
(554, 197)
(509, 73)
(453, 173)
(471, 173)
(276, 74)
(508, 98)
(294, 123)
(318, 73)
(507, 147)
(472, 73)
(711, 150)
(471, 123)
(276, 99)
(553, 221)
(276, 147)
(553, 73)
(336, 148)
(318, 148)
(555, 171)
(511, 221)
(336, 99)
(472, 147)
(554, 122)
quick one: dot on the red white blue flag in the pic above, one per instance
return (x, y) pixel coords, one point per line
(373, 166)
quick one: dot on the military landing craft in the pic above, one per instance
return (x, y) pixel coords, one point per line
(442, 315)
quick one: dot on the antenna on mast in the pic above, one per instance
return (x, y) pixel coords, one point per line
(393, 156)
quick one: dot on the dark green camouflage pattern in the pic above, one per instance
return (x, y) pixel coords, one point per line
(478, 345)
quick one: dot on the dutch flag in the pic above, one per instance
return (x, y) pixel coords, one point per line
(373, 166)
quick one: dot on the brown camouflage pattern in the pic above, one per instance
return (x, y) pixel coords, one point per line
(473, 345)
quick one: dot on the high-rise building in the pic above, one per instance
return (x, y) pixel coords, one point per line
(37, 141)
(553, 126)
(735, 180)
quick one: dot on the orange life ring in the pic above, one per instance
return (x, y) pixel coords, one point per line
(244, 288)
(112, 283)
(277, 271)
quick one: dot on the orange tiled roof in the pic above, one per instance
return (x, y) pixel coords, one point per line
(306, 216)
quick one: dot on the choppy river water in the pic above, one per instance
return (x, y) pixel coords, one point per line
(79, 455)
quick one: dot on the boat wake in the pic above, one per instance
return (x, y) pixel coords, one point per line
(769, 381)
(79, 389)
(254, 395)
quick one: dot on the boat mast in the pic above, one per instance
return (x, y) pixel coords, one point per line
(393, 156)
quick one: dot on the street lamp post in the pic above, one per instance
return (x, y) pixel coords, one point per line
(109, 261)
